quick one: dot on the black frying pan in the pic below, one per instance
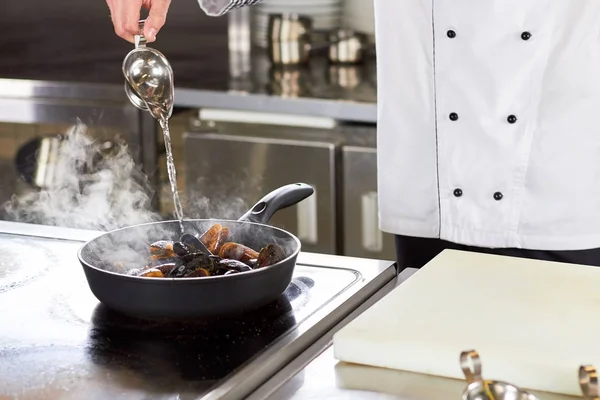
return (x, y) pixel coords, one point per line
(193, 297)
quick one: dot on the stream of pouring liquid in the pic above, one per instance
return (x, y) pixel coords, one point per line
(164, 125)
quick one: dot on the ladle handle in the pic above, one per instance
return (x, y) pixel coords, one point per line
(140, 39)
(471, 365)
(588, 380)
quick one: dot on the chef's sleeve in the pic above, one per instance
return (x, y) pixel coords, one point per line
(217, 8)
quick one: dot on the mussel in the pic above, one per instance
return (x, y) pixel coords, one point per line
(162, 249)
(191, 241)
(167, 268)
(152, 273)
(188, 257)
(184, 249)
(195, 262)
(215, 237)
(269, 255)
(156, 269)
(236, 251)
(233, 265)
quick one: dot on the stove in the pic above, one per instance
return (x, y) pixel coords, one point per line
(58, 342)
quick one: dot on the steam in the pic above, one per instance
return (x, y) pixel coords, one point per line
(95, 189)
(227, 193)
(88, 191)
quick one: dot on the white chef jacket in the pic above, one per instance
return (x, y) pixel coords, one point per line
(488, 115)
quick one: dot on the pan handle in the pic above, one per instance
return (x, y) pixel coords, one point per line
(278, 199)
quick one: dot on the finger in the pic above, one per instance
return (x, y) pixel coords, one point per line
(127, 15)
(111, 10)
(156, 18)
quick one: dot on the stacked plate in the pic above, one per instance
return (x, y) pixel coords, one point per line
(326, 15)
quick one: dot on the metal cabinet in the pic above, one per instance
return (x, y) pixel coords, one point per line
(362, 237)
(30, 109)
(226, 173)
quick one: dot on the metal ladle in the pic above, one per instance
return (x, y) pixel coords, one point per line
(588, 380)
(485, 389)
(149, 78)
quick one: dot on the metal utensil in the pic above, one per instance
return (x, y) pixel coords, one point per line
(134, 98)
(347, 46)
(289, 40)
(588, 380)
(480, 389)
(149, 78)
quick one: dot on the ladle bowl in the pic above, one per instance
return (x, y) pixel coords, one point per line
(134, 98)
(149, 79)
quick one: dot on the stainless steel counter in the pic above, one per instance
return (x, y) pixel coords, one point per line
(24, 100)
(313, 374)
(74, 42)
(62, 344)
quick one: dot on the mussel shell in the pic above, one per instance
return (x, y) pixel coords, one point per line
(231, 272)
(194, 262)
(270, 254)
(168, 267)
(179, 271)
(233, 265)
(164, 257)
(214, 238)
(237, 251)
(183, 249)
(162, 248)
(152, 273)
(191, 241)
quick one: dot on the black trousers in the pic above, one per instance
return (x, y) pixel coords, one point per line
(413, 252)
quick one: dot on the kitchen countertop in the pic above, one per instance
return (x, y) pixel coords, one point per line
(326, 378)
(323, 377)
(62, 343)
(71, 45)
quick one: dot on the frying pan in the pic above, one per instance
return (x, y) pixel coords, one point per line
(175, 298)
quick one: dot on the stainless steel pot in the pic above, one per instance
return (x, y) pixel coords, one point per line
(36, 160)
(289, 39)
(347, 46)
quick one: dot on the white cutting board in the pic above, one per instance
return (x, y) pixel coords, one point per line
(532, 322)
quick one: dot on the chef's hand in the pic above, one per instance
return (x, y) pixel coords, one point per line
(125, 15)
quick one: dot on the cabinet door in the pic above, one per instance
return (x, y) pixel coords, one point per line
(362, 237)
(227, 174)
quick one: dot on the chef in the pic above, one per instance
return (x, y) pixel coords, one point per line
(488, 123)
